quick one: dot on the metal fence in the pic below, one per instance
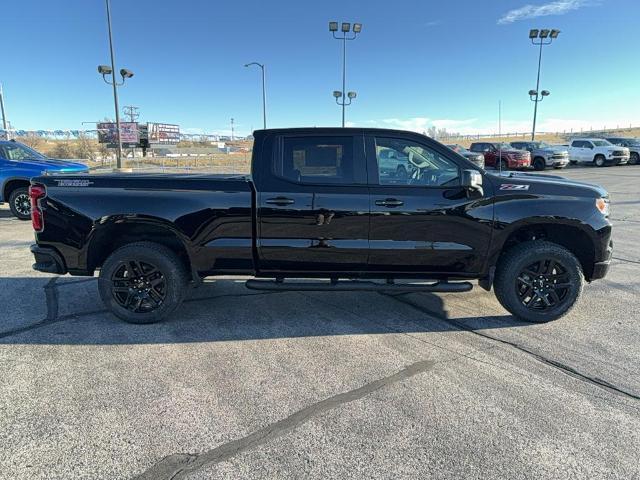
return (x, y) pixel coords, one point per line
(618, 131)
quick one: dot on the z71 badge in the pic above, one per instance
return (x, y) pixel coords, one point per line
(74, 183)
(513, 186)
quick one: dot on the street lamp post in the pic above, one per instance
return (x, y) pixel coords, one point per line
(4, 117)
(345, 28)
(105, 70)
(264, 92)
(539, 38)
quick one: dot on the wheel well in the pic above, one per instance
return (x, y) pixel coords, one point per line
(109, 239)
(11, 185)
(571, 238)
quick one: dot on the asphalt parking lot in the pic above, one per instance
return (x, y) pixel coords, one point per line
(244, 384)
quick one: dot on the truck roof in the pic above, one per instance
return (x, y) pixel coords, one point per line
(333, 130)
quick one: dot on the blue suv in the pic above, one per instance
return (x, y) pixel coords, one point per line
(18, 164)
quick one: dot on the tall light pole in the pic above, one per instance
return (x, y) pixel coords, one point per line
(539, 38)
(105, 70)
(264, 93)
(345, 28)
(4, 117)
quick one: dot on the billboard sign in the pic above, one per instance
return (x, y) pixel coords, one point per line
(128, 134)
(163, 133)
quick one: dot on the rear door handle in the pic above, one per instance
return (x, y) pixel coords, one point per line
(280, 201)
(389, 202)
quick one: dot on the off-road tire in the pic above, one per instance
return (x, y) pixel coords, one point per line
(510, 267)
(174, 275)
(16, 201)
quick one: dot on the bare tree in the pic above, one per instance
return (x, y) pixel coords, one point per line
(33, 141)
(85, 147)
(63, 149)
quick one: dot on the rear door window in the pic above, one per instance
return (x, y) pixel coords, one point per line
(318, 160)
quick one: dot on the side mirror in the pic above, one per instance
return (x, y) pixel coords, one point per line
(472, 181)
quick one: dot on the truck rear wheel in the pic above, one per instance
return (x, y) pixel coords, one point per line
(20, 204)
(142, 282)
(538, 281)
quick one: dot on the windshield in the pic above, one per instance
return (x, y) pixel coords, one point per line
(18, 151)
(601, 143)
(504, 146)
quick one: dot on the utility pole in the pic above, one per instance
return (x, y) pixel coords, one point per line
(132, 112)
(4, 117)
(232, 129)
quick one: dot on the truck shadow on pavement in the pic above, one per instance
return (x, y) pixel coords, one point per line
(224, 311)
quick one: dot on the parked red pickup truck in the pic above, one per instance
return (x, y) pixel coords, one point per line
(502, 155)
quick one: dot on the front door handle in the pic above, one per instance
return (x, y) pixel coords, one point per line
(389, 202)
(280, 201)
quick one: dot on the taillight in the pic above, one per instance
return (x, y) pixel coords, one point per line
(37, 193)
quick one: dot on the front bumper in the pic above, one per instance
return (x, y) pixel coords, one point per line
(519, 163)
(600, 269)
(48, 260)
(620, 160)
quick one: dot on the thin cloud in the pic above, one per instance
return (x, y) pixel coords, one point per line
(559, 7)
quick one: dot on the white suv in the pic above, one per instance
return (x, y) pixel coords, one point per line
(597, 151)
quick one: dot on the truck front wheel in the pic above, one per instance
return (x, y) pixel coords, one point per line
(20, 204)
(142, 282)
(538, 281)
(599, 160)
(539, 163)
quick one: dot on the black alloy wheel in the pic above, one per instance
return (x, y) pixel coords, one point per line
(143, 282)
(538, 281)
(543, 285)
(20, 203)
(138, 286)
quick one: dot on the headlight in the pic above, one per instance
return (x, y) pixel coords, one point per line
(602, 204)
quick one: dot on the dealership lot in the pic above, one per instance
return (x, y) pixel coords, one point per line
(243, 384)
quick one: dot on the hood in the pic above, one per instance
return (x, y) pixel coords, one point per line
(52, 165)
(617, 148)
(513, 151)
(555, 149)
(540, 184)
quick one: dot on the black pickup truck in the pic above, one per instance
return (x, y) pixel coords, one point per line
(319, 213)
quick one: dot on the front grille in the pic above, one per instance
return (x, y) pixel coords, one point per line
(560, 156)
(618, 153)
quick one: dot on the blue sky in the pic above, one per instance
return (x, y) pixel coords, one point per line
(416, 63)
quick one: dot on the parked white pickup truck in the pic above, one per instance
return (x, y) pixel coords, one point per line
(597, 151)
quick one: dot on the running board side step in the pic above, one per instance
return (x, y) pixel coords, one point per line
(356, 286)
